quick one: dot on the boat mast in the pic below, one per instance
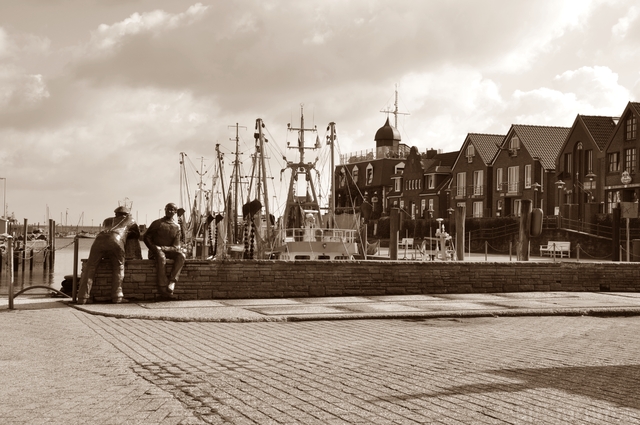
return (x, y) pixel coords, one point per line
(220, 176)
(263, 168)
(233, 210)
(297, 169)
(332, 204)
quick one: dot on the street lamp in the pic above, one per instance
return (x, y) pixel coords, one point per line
(560, 185)
(536, 186)
(590, 197)
(4, 197)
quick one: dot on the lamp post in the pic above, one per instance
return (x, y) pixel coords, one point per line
(536, 186)
(4, 197)
(591, 176)
(560, 185)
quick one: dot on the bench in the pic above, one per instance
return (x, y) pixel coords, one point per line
(560, 248)
(406, 243)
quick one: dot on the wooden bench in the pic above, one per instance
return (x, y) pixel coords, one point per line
(560, 248)
(406, 243)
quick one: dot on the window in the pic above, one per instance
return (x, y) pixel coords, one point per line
(430, 205)
(527, 176)
(423, 206)
(461, 181)
(369, 174)
(613, 198)
(568, 161)
(516, 207)
(613, 159)
(513, 179)
(398, 185)
(354, 174)
(470, 152)
(514, 143)
(478, 177)
(588, 160)
(499, 179)
(343, 180)
(477, 209)
(630, 160)
(399, 168)
(431, 181)
(632, 127)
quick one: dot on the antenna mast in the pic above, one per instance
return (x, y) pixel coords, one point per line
(395, 110)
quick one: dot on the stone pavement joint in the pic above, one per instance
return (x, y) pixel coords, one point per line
(379, 307)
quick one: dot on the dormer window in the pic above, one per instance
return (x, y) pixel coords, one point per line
(369, 174)
(470, 153)
(514, 145)
(399, 168)
(632, 127)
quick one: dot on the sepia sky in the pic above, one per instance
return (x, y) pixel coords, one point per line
(99, 97)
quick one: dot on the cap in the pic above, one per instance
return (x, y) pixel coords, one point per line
(121, 209)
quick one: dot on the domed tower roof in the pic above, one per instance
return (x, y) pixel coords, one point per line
(387, 135)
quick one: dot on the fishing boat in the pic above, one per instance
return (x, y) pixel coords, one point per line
(306, 233)
(238, 221)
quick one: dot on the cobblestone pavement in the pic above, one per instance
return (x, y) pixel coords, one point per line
(63, 366)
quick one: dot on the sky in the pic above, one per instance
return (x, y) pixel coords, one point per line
(99, 98)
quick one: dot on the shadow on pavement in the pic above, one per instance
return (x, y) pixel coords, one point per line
(616, 384)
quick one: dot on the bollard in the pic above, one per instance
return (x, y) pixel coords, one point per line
(24, 245)
(74, 290)
(10, 252)
(510, 250)
(578, 252)
(486, 247)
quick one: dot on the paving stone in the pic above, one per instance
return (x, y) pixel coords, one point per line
(65, 366)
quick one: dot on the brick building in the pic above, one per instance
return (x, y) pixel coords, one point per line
(524, 168)
(580, 168)
(621, 177)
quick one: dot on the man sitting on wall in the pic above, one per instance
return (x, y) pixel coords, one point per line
(163, 240)
(110, 243)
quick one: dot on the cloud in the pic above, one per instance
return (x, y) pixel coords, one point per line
(4, 43)
(596, 87)
(108, 36)
(623, 26)
(20, 91)
(587, 91)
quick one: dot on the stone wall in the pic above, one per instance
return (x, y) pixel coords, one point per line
(277, 279)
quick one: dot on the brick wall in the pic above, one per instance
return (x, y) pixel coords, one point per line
(274, 279)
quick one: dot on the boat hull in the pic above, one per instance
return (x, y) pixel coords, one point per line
(318, 250)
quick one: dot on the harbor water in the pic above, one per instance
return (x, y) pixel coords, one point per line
(34, 273)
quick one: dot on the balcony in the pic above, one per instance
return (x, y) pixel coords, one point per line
(510, 189)
(471, 191)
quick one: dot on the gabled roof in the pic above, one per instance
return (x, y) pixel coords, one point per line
(631, 106)
(600, 128)
(439, 161)
(487, 145)
(543, 142)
